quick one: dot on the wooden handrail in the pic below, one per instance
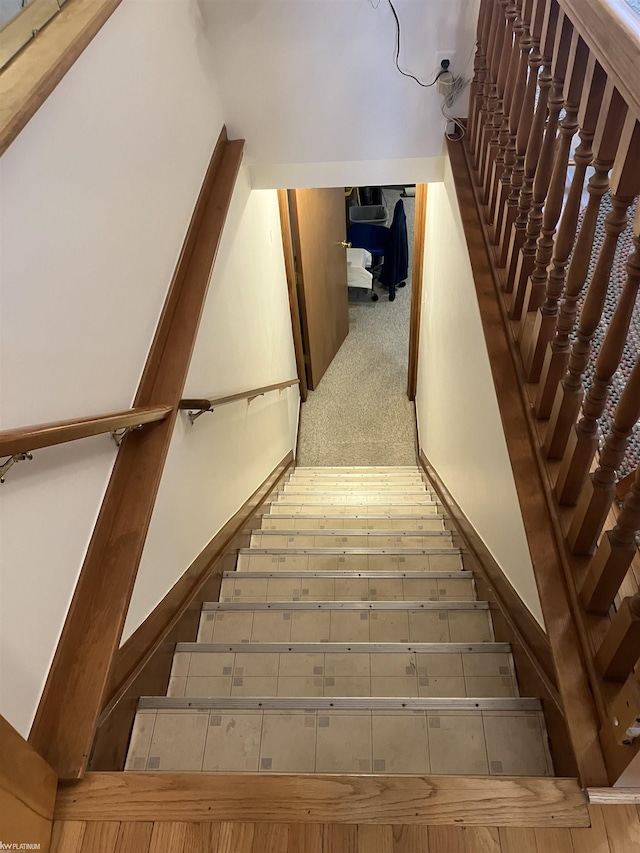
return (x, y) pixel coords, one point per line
(35, 437)
(610, 29)
(205, 404)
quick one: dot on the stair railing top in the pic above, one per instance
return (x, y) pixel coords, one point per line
(17, 444)
(611, 29)
(199, 406)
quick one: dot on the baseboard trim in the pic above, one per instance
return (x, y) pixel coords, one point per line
(513, 622)
(311, 798)
(162, 628)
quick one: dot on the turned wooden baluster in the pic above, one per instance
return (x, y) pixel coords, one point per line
(488, 35)
(501, 179)
(512, 55)
(520, 130)
(479, 68)
(534, 144)
(498, 25)
(544, 170)
(504, 44)
(614, 555)
(589, 86)
(607, 138)
(599, 489)
(625, 184)
(620, 649)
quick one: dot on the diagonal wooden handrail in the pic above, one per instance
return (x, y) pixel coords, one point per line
(73, 698)
(37, 436)
(208, 403)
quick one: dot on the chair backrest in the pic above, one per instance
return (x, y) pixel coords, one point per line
(373, 238)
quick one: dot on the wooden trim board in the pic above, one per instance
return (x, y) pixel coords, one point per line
(27, 791)
(315, 798)
(66, 719)
(143, 664)
(546, 550)
(31, 77)
(292, 289)
(417, 274)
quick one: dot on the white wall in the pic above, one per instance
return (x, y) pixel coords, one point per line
(459, 426)
(244, 342)
(97, 192)
(314, 81)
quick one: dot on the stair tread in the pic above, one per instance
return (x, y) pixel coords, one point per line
(333, 649)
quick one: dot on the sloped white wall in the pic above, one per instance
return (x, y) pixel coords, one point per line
(459, 426)
(244, 342)
(314, 81)
(96, 196)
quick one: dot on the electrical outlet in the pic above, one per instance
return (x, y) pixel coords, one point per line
(445, 54)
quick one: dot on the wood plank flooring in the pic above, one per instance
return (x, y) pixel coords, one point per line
(614, 829)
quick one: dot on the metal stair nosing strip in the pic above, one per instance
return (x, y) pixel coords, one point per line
(208, 606)
(345, 648)
(389, 552)
(235, 575)
(339, 703)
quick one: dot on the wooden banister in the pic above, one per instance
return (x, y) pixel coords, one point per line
(607, 138)
(543, 168)
(35, 437)
(553, 279)
(206, 404)
(545, 242)
(610, 29)
(65, 723)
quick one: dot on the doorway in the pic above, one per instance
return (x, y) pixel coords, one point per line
(361, 412)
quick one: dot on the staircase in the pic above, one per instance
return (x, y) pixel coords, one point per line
(348, 640)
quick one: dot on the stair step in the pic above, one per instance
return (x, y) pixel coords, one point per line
(349, 496)
(354, 510)
(340, 622)
(434, 522)
(346, 469)
(341, 586)
(349, 539)
(331, 669)
(359, 488)
(350, 559)
(433, 737)
(361, 481)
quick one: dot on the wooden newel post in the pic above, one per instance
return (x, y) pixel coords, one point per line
(614, 556)
(607, 138)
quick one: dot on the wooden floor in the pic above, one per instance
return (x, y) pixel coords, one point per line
(614, 829)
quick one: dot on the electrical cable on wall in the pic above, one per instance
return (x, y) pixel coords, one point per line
(406, 73)
(453, 88)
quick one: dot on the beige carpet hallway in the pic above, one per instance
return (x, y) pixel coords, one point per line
(359, 414)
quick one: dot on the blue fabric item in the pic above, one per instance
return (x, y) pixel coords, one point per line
(395, 268)
(373, 238)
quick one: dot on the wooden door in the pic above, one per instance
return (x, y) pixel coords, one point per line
(319, 231)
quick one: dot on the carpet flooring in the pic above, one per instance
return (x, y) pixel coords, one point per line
(359, 414)
(632, 346)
